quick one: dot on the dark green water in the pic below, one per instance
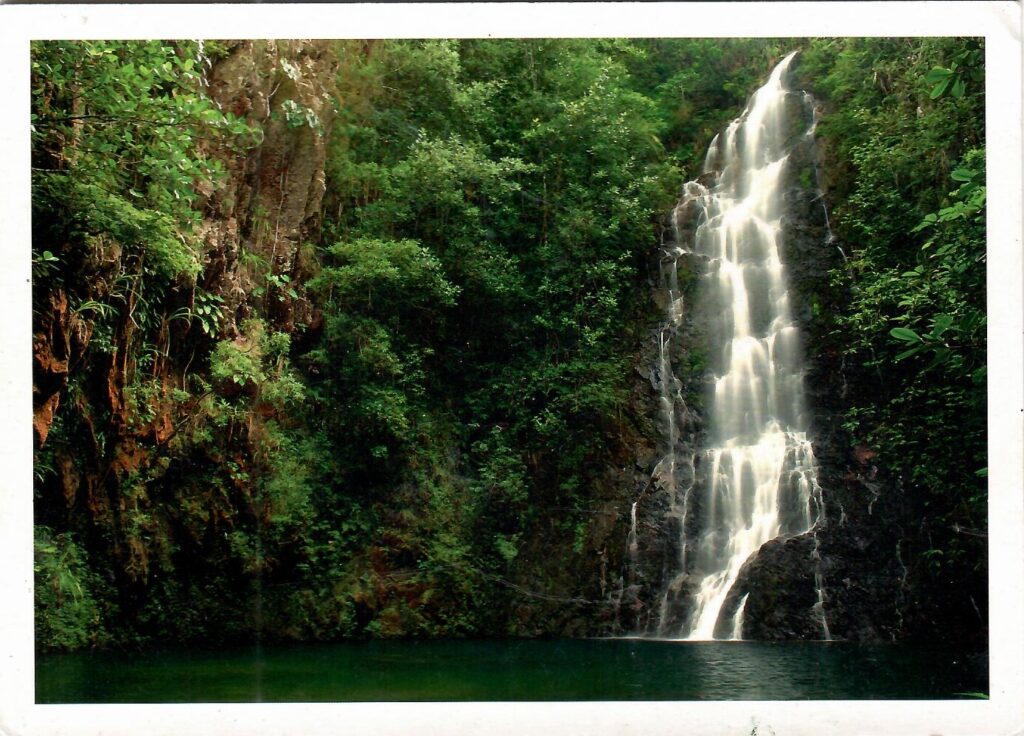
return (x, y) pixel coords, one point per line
(605, 669)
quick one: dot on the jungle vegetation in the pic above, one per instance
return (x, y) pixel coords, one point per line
(367, 438)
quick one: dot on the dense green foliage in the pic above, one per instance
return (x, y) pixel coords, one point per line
(124, 146)
(517, 185)
(399, 430)
(66, 613)
(907, 119)
(116, 153)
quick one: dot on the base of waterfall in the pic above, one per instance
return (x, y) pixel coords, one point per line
(514, 670)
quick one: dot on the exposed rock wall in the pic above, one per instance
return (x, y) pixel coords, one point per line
(255, 221)
(270, 205)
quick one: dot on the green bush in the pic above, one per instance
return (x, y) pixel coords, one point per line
(67, 613)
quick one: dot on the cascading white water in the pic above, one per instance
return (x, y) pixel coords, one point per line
(632, 548)
(737, 622)
(761, 483)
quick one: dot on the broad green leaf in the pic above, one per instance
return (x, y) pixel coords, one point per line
(937, 75)
(930, 219)
(905, 334)
(942, 323)
(939, 88)
(908, 353)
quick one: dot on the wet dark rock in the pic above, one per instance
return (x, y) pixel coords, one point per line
(779, 584)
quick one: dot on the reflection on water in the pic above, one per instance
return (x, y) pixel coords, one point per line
(609, 669)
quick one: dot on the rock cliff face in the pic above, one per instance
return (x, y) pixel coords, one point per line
(270, 205)
(254, 225)
(858, 540)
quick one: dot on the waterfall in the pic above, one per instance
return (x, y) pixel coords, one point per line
(632, 548)
(737, 623)
(759, 472)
